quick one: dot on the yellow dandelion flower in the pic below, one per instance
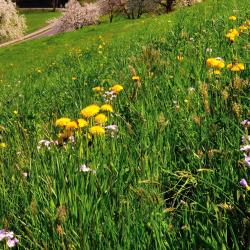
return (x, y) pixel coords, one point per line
(233, 18)
(210, 62)
(3, 145)
(216, 63)
(107, 108)
(71, 125)
(101, 118)
(236, 66)
(90, 111)
(180, 58)
(15, 112)
(82, 123)
(247, 22)
(220, 65)
(116, 88)
(136, 78)
(62, 122)
(217, 72)
(232, 34)
(74, 78)
(242, 28)
(232, 38)
(97, 89)
(97, 130)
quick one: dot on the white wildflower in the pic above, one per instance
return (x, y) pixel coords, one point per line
(84, 168)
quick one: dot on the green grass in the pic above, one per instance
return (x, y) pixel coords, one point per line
(38, 19)
(176, 148)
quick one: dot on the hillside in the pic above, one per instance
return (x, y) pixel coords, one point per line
(166, 174)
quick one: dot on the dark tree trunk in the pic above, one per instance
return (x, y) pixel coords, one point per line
(132, 14)
(111, 17)
(169, 5)
(55, 4)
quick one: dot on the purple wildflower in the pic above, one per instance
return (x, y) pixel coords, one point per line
(247, 160)
(112, 127)
(243, 183)
(11, 242)
(109, 96)
(9, 235)
(2, 234)
(245, 123)
(72, 139)
(245, 148)
(44, 143)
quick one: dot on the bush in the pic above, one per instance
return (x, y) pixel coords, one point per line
(12, 25)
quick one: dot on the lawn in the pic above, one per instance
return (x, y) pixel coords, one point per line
(37, 19)
(160, 168)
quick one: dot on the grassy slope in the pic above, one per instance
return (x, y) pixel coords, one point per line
(162, 158)
(46, 50)
(37, 19)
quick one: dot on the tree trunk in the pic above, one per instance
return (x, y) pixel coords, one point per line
(54, 3)
(169, 5)
(132, 14)
(111, 17)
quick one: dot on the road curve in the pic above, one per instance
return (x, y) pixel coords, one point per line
(48, 30)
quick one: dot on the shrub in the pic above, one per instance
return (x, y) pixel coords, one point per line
(12, 25)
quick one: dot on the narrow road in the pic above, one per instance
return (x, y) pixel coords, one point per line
(48, 30)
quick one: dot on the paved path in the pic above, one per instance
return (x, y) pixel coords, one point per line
(48, 30)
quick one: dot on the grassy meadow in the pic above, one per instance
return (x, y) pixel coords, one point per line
(169, 177)
(36, 19)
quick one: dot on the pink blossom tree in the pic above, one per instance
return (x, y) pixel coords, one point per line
(77, 16)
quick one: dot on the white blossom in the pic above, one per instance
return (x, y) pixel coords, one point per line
(84, 168)
(77, 16)
(12, 25)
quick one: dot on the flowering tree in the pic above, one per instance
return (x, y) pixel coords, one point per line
(132, 8)
(77, 16)
(12, 25)
(111, 7)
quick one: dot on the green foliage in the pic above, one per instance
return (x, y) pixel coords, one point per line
(170, 178)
